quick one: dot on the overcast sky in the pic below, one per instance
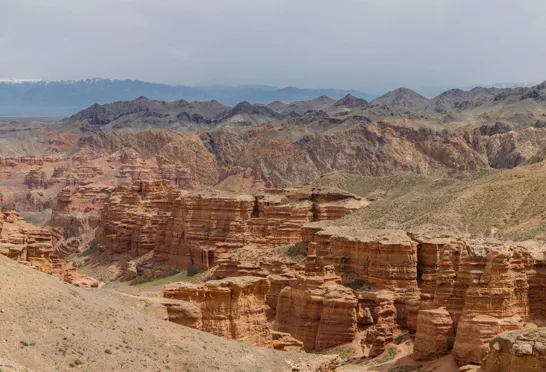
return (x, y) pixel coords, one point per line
(371, 45)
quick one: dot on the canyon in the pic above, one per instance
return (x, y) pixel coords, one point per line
(386, 235)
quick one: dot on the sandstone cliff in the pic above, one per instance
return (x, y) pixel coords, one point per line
(456, 293)
(191, 229)
(316, 309)
(232, 308)
(33, 246)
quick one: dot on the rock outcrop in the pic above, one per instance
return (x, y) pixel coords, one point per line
(232, 308)
(36, 179)
(517, 351)
(384, 317)
(33, 246)
(78, 209)
(285, 342)
(191, 229)
(435, 334)
(316, 309)
(384, 259)
(456, 293)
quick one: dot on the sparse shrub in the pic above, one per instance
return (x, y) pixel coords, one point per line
(108, 351)
(295, 251)
(356, 284)
(25, 343)
(78, 362)
(192, 271)
(343, 352)
(401, 337)
(390, 356)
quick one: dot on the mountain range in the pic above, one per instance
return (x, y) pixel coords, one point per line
(21, 98)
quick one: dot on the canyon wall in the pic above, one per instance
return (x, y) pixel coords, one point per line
(458, 294)
(33, 246)
(232, 308)
(191, 229)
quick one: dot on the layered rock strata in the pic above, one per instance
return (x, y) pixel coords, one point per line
(77, 209)
(191, 229)
(232, 308)
(384, 259)
(456, 293)
(317, 310)
(435, 334)
(33, 246)
(384, 315)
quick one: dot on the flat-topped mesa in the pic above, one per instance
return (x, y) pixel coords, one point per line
(384, 259)
(280, 213)
(232, 308)
(516, 351)
(429, 248)
(317, 310)
(198, 224)
(36, 179)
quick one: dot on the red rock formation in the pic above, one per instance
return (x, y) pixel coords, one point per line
(232, 308)
(384, 259)
(285, 342)
(517, 351)
(316, 309)
(77, 209)
(192, 229)
(495, 301)
(36, 179)
(33, 246)
(435, 335)
(385, 314)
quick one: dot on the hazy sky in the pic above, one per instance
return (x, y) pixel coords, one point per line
(371, 45)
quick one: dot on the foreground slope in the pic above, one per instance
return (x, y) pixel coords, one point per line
(48, 326)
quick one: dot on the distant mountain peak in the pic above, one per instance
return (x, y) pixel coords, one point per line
(351, 101)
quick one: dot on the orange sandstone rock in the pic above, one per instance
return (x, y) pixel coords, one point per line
(435, 334)
(232, 308)
(318, 311)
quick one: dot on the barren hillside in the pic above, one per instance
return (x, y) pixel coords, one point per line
(51, 326)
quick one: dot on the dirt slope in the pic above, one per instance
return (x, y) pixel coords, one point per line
(48, 326)
(507, 204)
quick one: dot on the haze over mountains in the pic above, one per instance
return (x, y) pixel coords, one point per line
(34, 97)
(64, 98)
